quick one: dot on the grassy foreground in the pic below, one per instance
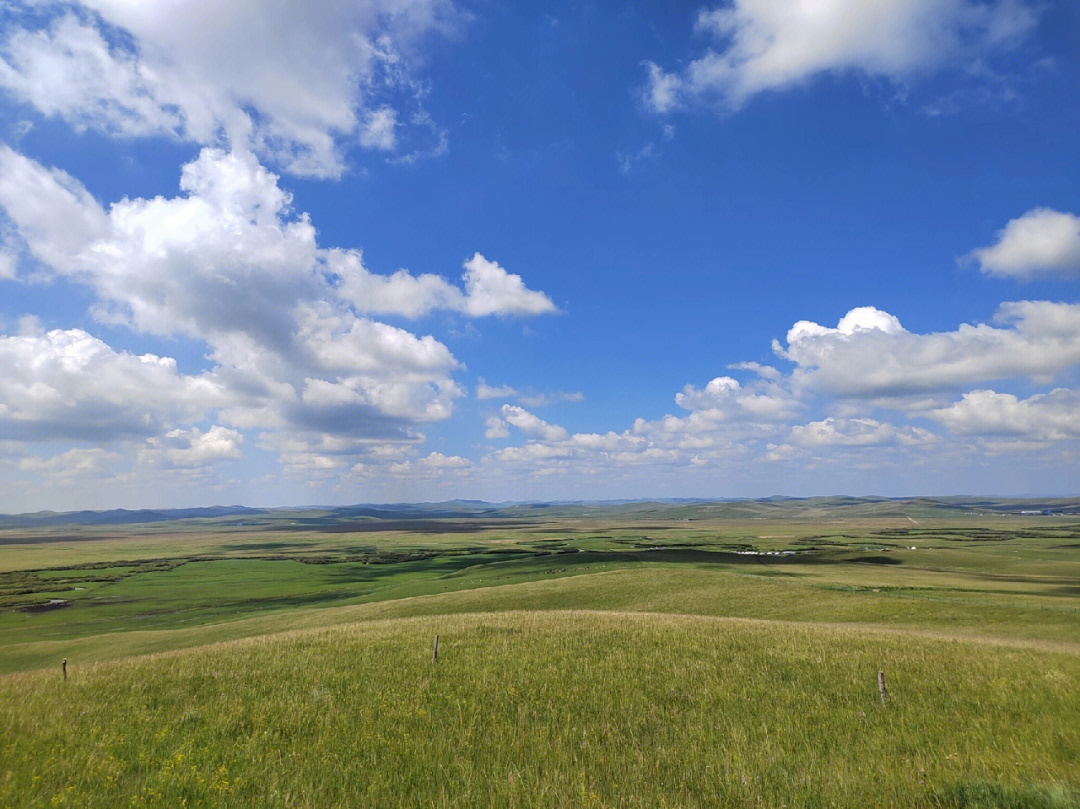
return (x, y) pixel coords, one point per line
(558, 708)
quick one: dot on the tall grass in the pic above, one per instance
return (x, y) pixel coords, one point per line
(558, 708)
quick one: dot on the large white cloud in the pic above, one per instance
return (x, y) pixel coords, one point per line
(870, 354)
(764, 45)
(1053, 416)
(294, 81)
(287, 322)
(1042, 243)
(225, 264)
(68, 69)
(67, 385)
(227, 252)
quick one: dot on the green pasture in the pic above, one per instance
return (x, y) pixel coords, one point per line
(645, 662)
(1002, 578)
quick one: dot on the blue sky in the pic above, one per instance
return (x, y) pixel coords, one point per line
(422, 249)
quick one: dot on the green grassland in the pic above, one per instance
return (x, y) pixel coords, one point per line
(638, 655)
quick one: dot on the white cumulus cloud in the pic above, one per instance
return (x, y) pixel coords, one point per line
(491, 290)
(1042, 243)
(870, 354)
(1053, 416)
(532, 425)
(488, 290)
(69, 385)
(288, 324)
(193, 447)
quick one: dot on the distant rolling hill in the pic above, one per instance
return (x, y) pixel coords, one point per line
(765, 508)
(118, 516)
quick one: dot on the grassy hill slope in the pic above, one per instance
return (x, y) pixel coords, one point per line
(553, 708)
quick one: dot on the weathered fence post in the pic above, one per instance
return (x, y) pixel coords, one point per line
(435, 653)
(63, 668)
(881, 687)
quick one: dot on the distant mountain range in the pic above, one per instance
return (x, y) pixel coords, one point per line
(677, 508)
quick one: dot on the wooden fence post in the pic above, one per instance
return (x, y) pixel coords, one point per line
(881, 687)
(435, 653)
(63, 668)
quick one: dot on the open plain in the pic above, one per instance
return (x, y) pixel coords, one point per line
(646, 654)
